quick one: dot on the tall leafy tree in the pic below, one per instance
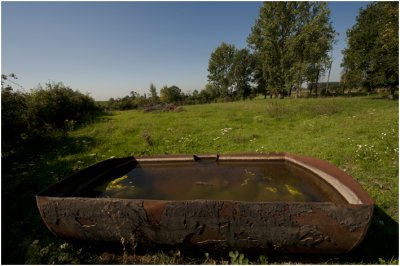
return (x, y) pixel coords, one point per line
(230, 71)
(291, 43)
(220, 67)
(371, 58)
(319, 37)
(268, 39)
(242, 73)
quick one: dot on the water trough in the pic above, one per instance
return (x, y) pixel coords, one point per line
(271, 202)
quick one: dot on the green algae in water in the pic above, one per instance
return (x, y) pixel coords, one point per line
(113, 185)
(241, 181)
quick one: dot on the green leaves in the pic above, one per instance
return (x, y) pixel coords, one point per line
(238, 258)
(230, 71)
(220, 68)
(41, 113)
(170, 94)
(291, 42)
(371, 57)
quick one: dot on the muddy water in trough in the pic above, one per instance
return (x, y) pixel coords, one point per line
(239, 181)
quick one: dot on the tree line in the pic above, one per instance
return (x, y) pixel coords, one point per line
(289, 48)
(168, 94)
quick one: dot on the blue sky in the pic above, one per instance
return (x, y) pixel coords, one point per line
(108, 49)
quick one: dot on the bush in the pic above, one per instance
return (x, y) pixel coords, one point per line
(55, 104)
(40, 113)
(14, 119)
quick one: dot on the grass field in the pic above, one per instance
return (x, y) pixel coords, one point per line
(359, 135)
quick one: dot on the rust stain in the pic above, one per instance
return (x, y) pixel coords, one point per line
(154, 210)
(229, 211)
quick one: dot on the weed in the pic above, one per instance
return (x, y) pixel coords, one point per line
(391, 261)
(276, 109)
(208, 260)
(263, 259)
(128, 245)
(238, 258)
(325, 108)
(147, 138)
(52, 254)
(172, 258)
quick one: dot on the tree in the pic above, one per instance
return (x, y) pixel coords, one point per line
(153, 93)
(319, 38)
(268, 39)
(230, 71)
(258, 78)
(220, 67)
(210, 93)
(7, 79)
(170, 94)
(291, 43)
(371, 58)
(242, 73)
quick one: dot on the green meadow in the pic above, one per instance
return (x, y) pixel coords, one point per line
(359, 135)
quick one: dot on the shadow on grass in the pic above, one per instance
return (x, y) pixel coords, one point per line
(381, 242)
(23, 176)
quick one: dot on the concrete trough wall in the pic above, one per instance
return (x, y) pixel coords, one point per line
(298, 227)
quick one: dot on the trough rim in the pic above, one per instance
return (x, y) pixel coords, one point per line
(345, 185)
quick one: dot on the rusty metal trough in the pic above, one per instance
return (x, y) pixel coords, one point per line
(334, 225)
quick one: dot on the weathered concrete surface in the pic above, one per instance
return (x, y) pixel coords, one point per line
(303, 227)
(284, 227)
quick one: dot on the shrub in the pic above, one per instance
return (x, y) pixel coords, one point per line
(14, 119)
(40, 113)
(56, 103)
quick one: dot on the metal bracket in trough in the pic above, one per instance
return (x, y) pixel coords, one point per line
(271, 202)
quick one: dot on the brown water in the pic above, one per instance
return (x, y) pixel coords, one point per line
(241, 181)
